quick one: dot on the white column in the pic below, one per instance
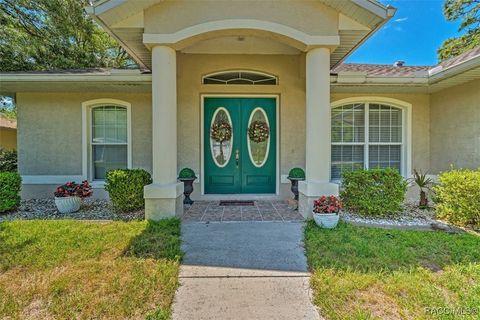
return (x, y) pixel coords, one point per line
(318, 131)
(318, 120)
(164, 114)
(163, 197)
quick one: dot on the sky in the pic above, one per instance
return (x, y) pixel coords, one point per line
(413, 35)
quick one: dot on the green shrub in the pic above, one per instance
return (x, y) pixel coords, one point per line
(8, 160)
(373, 192)
(125, 187)
(186, 173)
(10, 185)
(296, 173)
(457, 195)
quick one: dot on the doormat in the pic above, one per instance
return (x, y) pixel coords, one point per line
(229, 203)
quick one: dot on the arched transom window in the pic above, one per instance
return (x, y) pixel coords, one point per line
(240, 77)
(366, 135)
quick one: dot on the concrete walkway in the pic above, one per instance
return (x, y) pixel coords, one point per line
(243, 270)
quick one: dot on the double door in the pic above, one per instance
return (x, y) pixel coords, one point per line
(240, 145)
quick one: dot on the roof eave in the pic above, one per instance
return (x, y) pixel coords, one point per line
(389, 13)
(442, 74)
(15, 77)
(94, 12)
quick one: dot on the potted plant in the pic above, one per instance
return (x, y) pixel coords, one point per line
(187, 176)
(295, 175)
(68, 197)
(424, 183)
(325, 211)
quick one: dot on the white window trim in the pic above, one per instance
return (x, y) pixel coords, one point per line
(87, 106)
(406, 160)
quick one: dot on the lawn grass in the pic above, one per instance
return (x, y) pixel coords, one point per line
(88, 270)
(370, 273)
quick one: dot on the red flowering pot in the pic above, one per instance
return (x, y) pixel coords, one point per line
(325, 211)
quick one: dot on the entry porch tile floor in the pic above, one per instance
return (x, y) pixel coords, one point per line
(262, 210)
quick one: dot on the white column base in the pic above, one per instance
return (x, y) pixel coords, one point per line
(308, 191)
(163, 201)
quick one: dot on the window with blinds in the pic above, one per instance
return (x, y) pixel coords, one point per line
(109, 140)
(366, 135)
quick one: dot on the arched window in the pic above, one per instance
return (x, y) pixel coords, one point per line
(240, 77)
(367, 135)
(107, 136)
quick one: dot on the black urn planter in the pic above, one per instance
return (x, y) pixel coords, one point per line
(294, 186)
(187, 189)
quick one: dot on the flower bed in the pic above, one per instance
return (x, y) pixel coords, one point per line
(91, 209)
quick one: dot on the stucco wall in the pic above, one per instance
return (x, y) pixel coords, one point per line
(8, 138)
(50, 131)
(291, 92)
(420, 123)
(51, 143)
(311, 17)
(455, 127)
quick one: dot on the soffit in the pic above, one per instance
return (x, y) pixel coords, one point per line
(123, 19)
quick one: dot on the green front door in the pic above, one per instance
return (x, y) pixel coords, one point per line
(240, 145)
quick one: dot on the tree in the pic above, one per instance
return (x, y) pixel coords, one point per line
(468, 11)
(54, 34)
(7, 107)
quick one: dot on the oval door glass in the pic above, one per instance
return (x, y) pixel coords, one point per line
(221, 137)
(258, 137)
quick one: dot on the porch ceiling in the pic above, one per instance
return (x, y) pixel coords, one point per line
(123, 19)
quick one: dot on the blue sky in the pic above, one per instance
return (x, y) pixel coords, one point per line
(413, 35)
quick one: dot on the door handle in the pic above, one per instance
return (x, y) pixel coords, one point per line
(237, 157)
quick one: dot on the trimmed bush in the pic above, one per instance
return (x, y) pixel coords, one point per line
(10, 185)
(296, 173)
(373, 192)
(187, 173)
(457, 195)
(125, 187)
(8, 160)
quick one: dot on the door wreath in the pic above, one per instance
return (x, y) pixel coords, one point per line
(220, 132)
(258, 131)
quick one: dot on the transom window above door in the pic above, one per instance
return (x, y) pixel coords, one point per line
(367, 135)
(240, 77)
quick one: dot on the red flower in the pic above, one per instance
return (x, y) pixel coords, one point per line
(70, 188)
(324, 204)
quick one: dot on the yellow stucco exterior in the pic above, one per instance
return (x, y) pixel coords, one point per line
(455, 127)
(181, 41)
(8, 138)
(55, 119)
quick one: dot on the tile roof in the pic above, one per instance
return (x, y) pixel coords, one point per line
(461, 58)
(380, 69)
(63, 71)
(7, 123)
(88, 71)
(387, 70)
